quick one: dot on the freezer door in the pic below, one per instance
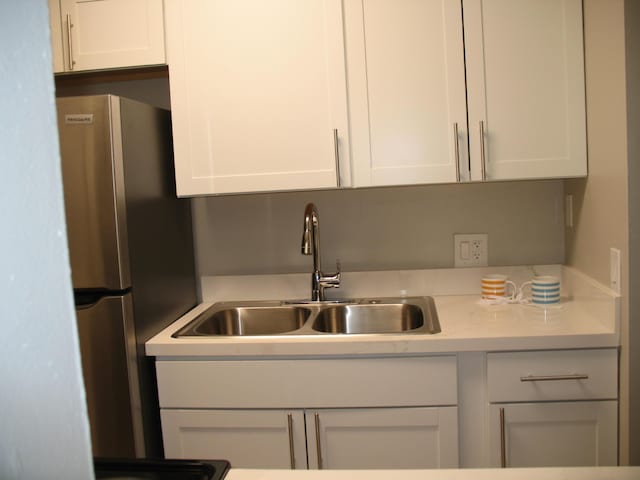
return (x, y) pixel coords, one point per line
(91, 151)
(108, 348)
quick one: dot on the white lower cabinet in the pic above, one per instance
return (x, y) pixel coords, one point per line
(379, 438)
(333, 413)
(558, 434)
(471, 409)
(246, 438)
(555, 408)
(323, 438)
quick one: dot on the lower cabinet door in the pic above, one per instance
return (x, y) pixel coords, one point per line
(246, 438)
(554, 434)
(375, 438)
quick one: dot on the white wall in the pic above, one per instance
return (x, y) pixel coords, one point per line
(380, 229)
(44, 428)
(602, 200)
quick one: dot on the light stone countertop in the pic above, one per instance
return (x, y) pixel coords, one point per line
(587, 317)
(574, 473)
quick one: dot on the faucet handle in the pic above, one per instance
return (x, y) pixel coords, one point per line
(335, 276)
(332, 280)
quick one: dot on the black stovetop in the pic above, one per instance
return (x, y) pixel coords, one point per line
(142, 469)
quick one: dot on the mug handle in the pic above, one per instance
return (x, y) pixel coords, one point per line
(523, 286)
(514, 289)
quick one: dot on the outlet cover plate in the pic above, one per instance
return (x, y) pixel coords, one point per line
(615, 266)
(471, 250)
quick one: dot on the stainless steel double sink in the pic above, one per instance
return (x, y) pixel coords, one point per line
(406, 315)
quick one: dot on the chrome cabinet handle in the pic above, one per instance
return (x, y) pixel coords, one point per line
(336, 152)
(318, 447)
(503, 447)
(483, 164)
(70, 42)
(292, 454)
(456, 149)
(552, 378)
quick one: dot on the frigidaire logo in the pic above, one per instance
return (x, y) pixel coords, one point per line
(78, 119)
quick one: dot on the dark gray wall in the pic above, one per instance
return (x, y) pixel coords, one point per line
(381, 229)
(632, 39)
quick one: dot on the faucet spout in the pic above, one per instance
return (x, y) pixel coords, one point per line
(311, 246)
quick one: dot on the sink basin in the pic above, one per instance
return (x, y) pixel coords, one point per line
(406, 315)
(373, 318)
(267, 320)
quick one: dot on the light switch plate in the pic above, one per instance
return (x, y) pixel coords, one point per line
(568, 211)
(471, 249)
(614, 266)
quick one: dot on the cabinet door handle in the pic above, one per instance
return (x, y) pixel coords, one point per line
(336, 152)
(483, 164)
(292, 454)
(503, 447)
(456, 149)
(552, 378)
(70, 42)
(318, 447)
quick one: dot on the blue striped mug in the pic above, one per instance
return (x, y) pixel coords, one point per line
(545, 289)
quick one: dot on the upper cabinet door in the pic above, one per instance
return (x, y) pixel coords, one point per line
(258, 95)
(406, 91)
(98, 34)
(55, 25)
(526, 93)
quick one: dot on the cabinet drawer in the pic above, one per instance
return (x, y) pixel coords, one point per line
(311, 383)
(552, 375)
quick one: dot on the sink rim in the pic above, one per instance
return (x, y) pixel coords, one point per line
(426, 304)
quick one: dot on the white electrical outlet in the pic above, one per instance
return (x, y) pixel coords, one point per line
(471, 250)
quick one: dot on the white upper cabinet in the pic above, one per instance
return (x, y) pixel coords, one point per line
(429, 104)
(526, 93)
(258, 95)
(99, 34)
(292, 95)
(406, 91)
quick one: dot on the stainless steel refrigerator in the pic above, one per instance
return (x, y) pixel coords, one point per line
(132, 262)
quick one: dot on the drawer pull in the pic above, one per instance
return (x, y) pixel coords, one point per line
(552, 378)
(292, 455)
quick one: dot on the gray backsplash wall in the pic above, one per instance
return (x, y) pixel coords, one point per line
(391, 228)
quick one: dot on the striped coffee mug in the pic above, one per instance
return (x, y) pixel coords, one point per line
(545, 289)
(496, 285)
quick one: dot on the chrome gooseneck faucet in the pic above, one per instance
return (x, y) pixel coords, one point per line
(311, 246)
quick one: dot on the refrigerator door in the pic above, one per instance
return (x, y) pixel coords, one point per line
(93, 177)
(108, 348)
